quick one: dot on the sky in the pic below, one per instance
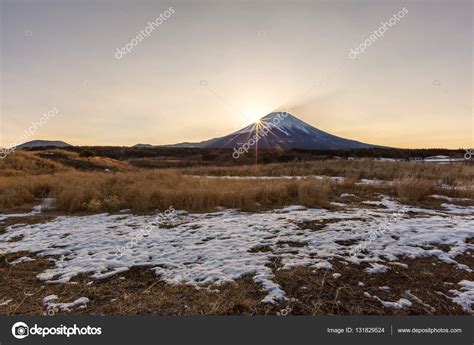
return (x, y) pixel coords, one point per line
(209, 68)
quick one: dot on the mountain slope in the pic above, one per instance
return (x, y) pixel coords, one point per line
(282, 130)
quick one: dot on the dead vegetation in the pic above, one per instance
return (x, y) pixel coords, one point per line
(97, 184)
(311, 292)
(21, 163)
(449, 174)
(318, 292)
(413, 190)
(25, 163)
(150, 190)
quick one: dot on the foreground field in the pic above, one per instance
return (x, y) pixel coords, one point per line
(296, 258)
(328, 237)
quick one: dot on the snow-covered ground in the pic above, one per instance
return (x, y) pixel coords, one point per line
(222, 246)
(228, 177)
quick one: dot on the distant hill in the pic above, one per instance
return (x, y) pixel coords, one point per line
(143, 145)
(40, 143)
(285, 131)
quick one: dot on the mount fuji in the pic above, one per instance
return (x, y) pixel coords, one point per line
(284, 131)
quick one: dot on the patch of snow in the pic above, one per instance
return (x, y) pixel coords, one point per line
(360, 284)
(21, 260)
(373, 202)
(445, 186)
(17, 215)
(376, 268)
(332, 178)
(80, 303)
(375, 182)
(296, 177)
(458, 209)
(347, 195)
(46, 204)
(49, 298)
(340, 204)
(465, 297)
(336, 275)
(400, 304)
(323, 265)
(227, 177)
(387, 159)
(444, 197)
(407, 294)
(291, 208)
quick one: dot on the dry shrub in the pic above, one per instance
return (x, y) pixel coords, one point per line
(75, 198)
(15, 197)
(348, 185)
(21, 190)
(314, 193)
(292, 189)
(413, 190)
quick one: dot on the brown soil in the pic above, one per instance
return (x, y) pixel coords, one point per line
(35, 219)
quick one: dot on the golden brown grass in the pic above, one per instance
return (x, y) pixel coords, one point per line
(413, 190)
(76, 160)
(23, 163)
(25, 178)
(145, 191)
(314, 193)
(27, 163)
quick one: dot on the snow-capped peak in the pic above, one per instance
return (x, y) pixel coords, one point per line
(284, 120)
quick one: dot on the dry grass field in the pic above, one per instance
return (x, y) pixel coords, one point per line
(27, 177)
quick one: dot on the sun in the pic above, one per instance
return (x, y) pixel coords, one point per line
(253, 115)
(252, 112)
